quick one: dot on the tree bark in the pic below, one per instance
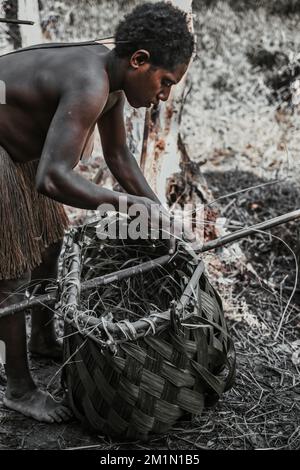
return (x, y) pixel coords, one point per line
(10, 8)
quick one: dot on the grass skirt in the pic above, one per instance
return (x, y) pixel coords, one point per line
(29, 221)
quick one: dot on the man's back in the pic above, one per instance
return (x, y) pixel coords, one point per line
(36, 82)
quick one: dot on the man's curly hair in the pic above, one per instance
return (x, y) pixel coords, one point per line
(161, 29)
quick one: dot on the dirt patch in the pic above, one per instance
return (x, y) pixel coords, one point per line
(262, 410)
(273, 253)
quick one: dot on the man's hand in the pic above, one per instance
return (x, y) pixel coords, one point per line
(172, 227)
(159, 220)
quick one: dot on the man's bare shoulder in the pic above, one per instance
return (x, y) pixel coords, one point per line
(57, 71)
(83, 70)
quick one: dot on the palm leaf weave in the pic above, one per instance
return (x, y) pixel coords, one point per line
(140, 351)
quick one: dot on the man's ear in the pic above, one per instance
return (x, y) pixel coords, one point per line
(139, 58)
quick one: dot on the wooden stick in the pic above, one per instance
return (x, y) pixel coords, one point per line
(49, 299)
(124, 273)
(139, 325)
(15, 21)
(245, 232)
(46, 299)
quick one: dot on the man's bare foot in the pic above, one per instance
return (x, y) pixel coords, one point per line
(39, 405)
(53, 349)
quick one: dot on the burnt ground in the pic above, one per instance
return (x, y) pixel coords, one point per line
(262, 409)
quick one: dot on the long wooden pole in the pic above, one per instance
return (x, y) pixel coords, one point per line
(245, 232)
(14, 21)
(49, 299)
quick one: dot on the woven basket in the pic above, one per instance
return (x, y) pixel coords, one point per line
(131, 377)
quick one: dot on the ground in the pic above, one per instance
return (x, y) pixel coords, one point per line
(262, 410)
(235, 127)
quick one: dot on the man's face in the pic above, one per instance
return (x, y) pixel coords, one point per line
(146, 85)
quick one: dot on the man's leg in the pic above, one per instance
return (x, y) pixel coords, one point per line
(43, 336)
(13, 333)
(21, 393)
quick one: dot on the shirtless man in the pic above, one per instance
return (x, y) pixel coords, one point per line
(55, 97)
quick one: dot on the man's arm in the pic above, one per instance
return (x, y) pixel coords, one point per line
(117, 155)
(77, 112)
(124, 166)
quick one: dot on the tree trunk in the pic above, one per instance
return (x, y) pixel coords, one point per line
(10, 8)
(29, 10)
(23, 35)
